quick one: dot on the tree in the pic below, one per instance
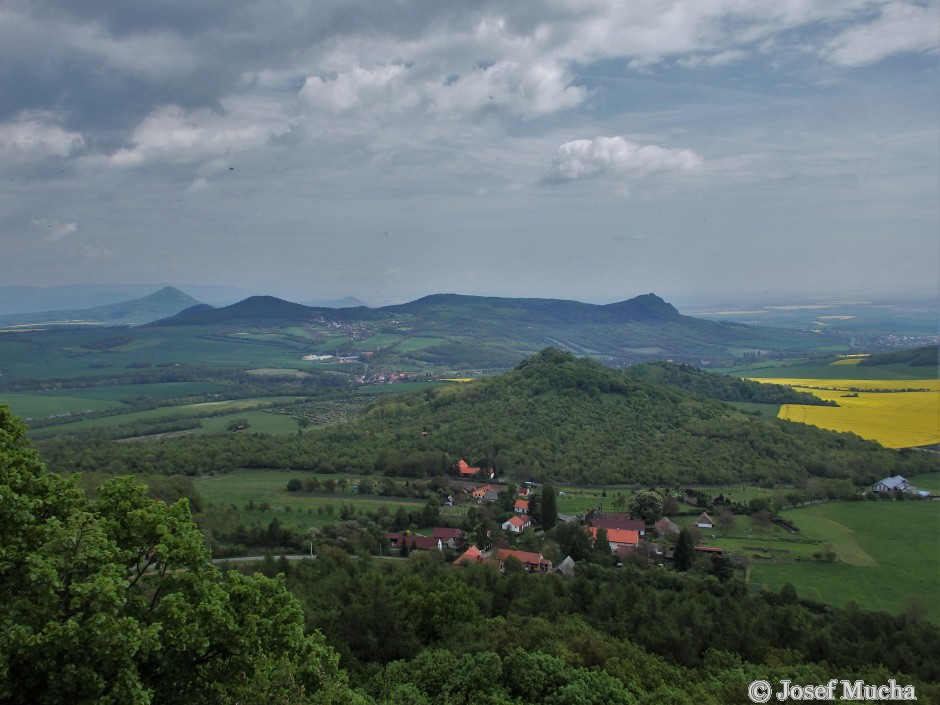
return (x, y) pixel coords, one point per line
(762, 519)
(684, 554)
(548, 502)
(646, 505)
(113, 600)
(294, 485)
(725, 519)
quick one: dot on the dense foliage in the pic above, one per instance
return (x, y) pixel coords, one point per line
(420, 631)
(553, 417)
(721, 387)
(113, 600)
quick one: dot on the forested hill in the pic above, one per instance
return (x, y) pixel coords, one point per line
(554, 416)
(721, 387)
(917, 357)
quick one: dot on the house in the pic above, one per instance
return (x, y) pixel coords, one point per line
(487, 493)
(413, 541)
(523, 491)
(617, 537)
(566, 567)
(891, 484)
(533, 562)
(517, 524)
(471, 555)
(609, 521)
(704, 521)
(450, 538)
(665, 528)
(464, 471)
(521, 506)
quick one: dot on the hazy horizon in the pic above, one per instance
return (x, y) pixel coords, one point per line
(592, 151)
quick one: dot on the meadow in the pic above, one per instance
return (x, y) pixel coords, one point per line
(885, 553)
(214, 415)
(886, 556)
(301, 510)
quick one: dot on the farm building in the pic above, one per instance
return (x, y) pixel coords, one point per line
(891, 484)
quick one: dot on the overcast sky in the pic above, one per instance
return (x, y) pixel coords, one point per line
(579, 149)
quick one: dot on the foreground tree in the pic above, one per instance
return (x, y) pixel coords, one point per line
(113, 600)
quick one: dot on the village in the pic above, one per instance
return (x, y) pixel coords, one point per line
(632, 540)
(629, 539)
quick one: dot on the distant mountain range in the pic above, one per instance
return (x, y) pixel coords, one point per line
(453, 331)
(167, 301)
(458, 330)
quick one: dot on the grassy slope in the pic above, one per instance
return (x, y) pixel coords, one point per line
(887, 554)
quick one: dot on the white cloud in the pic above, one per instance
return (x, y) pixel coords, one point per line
(34, 136)
(617, 157)
(171, 135)
(56, 229)
(901, 27)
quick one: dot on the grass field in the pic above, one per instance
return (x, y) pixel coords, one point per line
(211, 411)
(829, 370)
(895, 418)
(299, 509)
(887, 555)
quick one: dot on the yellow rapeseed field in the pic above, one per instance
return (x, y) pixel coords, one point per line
(893, 417)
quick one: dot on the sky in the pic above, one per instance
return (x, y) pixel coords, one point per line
(577, 149)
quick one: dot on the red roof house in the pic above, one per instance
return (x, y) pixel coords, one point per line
(617, 537)
(517, 524)
(533, 562)
(521, 506)
(610, 520)
(471, 555)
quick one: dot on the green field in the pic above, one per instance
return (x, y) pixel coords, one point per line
(204, 410)
(300, 509)
(801, 369)
(887, 555)
(258, 422)
(930, 481)
(42, 404)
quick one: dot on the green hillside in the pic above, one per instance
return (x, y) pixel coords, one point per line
(928, 356)
(721, 387)
(554, 416)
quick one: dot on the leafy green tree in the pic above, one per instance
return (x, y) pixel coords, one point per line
(113, 600)
(548, 506)
(646, 505)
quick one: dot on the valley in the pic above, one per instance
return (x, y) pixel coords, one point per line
(337, 437)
